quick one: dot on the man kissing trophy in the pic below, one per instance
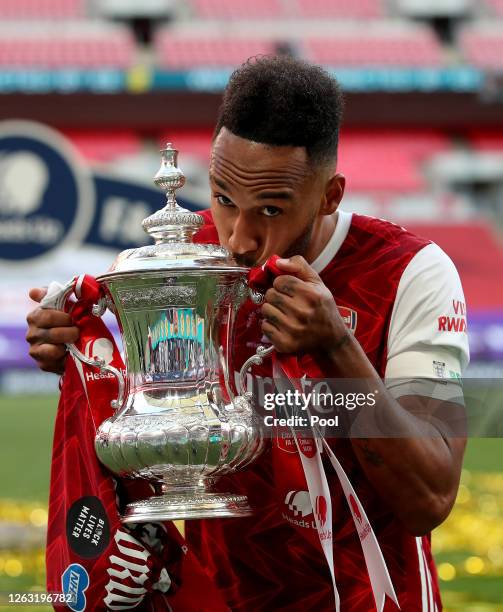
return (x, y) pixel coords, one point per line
(178, 422)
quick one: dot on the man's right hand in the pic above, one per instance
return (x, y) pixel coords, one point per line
(48, 331)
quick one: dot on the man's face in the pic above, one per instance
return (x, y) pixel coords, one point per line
(265, 199)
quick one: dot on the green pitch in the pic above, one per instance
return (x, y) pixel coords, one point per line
(469, 546)
(25, 446)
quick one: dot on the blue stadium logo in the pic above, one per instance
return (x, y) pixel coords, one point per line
(75, 581)
(46, 196)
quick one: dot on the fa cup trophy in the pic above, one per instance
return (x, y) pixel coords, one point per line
(177, 423)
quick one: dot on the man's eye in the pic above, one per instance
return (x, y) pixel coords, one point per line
(224, 200)
(271, 211)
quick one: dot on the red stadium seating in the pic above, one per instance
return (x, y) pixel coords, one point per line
(42, 9)
(275, 9)
(238, 9)
(177, 51)
(104, 146)
(486, 141)
(482, 45)
(417, 47)
(417, 144)
(58, 48)
(496, 6)
(381, 161)
(476, 251)
(368, 171)
(340, 9)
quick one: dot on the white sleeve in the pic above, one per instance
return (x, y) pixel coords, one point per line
(427, 336)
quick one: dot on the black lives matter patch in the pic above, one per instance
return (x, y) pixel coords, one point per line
(87, 528)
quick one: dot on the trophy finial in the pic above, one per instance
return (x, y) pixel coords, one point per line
(169, 177)
(173, 223)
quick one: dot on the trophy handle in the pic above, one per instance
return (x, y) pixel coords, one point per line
(225, 371)
(56, 298)
(261, 353)
(257, 297)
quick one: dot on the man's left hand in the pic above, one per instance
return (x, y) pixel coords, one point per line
(300, 313)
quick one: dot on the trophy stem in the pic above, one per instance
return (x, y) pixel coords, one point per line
(171, 203)
(186, 502)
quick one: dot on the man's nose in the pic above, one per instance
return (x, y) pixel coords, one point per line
(243, 238)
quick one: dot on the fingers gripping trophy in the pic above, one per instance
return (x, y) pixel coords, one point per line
(177, 421)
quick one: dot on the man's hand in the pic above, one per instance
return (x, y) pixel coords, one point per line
(300, 313)
(48, 331)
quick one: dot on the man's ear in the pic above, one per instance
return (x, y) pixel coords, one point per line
(334, 191)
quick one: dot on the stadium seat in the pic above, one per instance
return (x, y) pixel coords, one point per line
(495, 6)
(478, 265)
(178, 51)
(387, 161)
(104, 146)
(42, 9)
(340, 9)
(418, 144)
(345, 47)
(482, 45)
(369, 172)
(274, 9)
(367, 47)
(85, 46)
(237, 9)
(486, 141)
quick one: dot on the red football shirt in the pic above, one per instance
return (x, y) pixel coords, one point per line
(264, 562)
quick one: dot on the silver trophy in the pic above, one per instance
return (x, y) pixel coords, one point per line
(178, 423)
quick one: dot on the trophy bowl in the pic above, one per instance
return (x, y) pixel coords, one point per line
(179, 422)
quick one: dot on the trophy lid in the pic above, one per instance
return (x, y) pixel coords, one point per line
(172, 228)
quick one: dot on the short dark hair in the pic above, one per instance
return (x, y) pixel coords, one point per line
(284, 101)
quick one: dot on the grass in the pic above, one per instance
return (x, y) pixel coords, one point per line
(25, 446)
(25, 453)
(484, 455)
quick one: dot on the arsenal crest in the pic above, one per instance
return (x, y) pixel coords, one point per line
(349, 317)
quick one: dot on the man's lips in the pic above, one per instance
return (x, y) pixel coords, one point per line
(245, 261)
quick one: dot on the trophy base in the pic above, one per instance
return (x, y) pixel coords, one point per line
(185, 507)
